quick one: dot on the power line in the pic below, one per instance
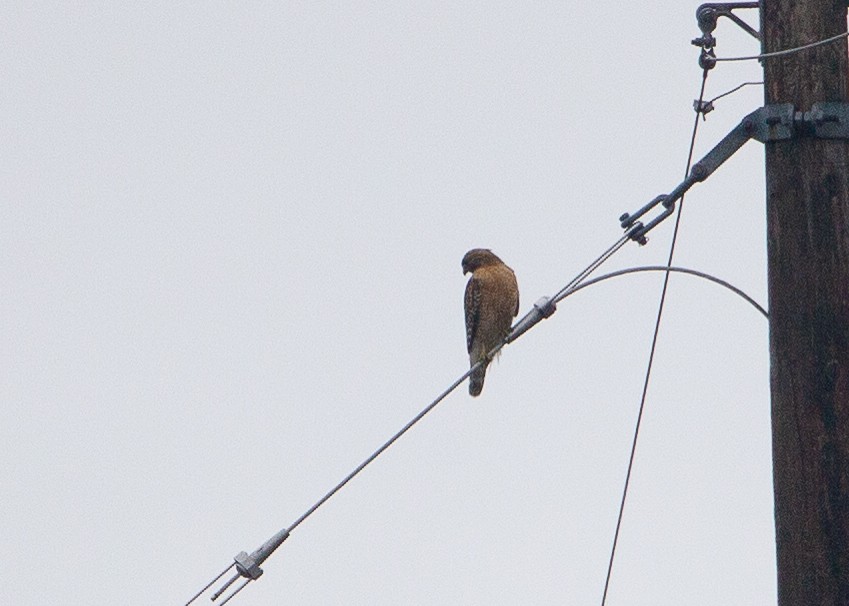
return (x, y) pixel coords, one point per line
(651, 352)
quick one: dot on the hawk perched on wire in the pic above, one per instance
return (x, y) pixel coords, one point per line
(491, 302)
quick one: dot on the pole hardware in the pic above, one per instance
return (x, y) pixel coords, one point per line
(776, 122)
(826, 120)
(247, 567)
(543, 308)
(707, 16)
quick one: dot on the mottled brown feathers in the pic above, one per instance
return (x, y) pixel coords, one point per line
(491, 303)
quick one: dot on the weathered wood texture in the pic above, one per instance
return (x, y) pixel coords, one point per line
(807, 183)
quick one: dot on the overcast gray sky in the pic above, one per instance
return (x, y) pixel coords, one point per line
(231, 237)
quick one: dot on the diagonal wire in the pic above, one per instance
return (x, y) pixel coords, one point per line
(565, 291)
(651, 352)
(382, 448)
(577, 280)
(571, 285)
(210, 584)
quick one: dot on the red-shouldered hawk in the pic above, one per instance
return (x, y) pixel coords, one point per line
(492, 301)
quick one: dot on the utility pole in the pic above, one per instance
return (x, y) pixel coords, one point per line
(807, 184)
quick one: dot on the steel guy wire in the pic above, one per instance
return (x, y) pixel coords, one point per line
(232, 595)
(382, 448)
(595, 264)
(575, 285)
(788, 51)
(331, 492)
(210, 584)
(652, 350)
(574, 282)
(564, 292)
(248, 565)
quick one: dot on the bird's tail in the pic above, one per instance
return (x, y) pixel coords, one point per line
(476, 381)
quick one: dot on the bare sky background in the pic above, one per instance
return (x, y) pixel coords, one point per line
(231, 235)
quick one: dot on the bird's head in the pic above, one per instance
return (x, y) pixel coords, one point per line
(478, 257)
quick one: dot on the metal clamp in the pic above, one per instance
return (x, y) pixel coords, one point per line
(542, 309)
(777, 122)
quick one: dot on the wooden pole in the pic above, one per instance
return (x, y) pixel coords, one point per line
(807, 182)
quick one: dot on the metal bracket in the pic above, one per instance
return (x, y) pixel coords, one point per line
(777, 122)
(827, 120)
(707, 15)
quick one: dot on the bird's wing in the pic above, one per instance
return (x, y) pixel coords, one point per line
(472, 305)
(516, 287)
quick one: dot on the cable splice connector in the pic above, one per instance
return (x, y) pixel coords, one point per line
(541, 310)
(247, 566)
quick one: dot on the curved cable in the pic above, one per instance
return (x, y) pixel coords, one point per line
(734, 90)
(788, 51)
(682, 270)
